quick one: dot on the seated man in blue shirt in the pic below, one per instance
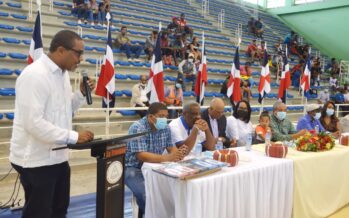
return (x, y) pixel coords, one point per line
(149, 148)
(311, 119)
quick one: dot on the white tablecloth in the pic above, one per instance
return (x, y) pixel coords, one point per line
(259, 187)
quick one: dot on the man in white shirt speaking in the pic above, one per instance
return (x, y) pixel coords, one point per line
(44, 107)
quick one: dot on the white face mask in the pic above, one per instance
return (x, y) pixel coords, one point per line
(190, 60)
(317, 116)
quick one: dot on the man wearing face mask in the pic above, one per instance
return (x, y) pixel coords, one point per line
(149, 148)
(174, 97)
(187, 71)
(139, 96)
(311, 119)
(189, 129)
(281, 127)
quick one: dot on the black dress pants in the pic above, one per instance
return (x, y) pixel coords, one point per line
(46, 190)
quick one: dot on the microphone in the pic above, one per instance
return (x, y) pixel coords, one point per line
(86, 87)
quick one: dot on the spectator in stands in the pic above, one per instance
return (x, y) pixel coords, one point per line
(339, 96)
(296, 73)
(150, 43)
(288, 39)
(250, 26)
(246, 93)
(187, 71)
(174, 97)
(252, 51)
(217, 122)
(259, 28)
(139, 96)
(311, 121)
(263, 127)
(173, 27)
(124, 43)
(239, 124)
(103, 9)
(166, 49)
(323, 97)
(194, 48)
(180, 46)
(281, 127)
(333, 82)
(246, 73)
(332, 67)
(315, 72)
(149, 148)
(260, 51)
(92, 12)
(44, 107)
(184, 26)
(189, 129)
(329, 120)
(79, 8)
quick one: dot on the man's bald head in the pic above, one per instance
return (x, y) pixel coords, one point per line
(216, 109)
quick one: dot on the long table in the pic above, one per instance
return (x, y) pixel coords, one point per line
(259, 187)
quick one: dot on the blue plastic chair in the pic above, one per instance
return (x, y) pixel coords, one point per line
(91, 60)
(99, 49)
(11, 40)
(26, 41)
(88, 48)
(118, 93)
(14, 5)
(2, 55)
(128, 93)
(15, 55)
(133, 77)
(64, 13)
(69, 23)
(1, 116)
(5, 71)
(19, 16)
(7, 92)
(58, 4)
(10, 116)
(4, 14)
(17, 72)
(120, 76)
(24, 29)
(6, 27)
(127, 112)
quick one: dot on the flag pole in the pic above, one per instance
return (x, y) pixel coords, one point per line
(107, 117)
(202, 55)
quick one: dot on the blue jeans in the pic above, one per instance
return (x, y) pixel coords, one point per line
(91, 17)
(135, 181)
(192, 79)
(129, 49)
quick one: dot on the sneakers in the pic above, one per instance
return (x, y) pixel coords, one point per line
(92, 24)
(104, 25)
(129, 59)
(137, 60)
(79, 21)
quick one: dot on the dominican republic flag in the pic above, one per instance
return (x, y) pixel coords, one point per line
(201, 79)
(234, 91)
(36, 48)
(264, 82)
(285, 80)
(305, 81)
(106, 80)
(155, 88)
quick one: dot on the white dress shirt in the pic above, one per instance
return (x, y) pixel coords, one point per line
(214, 127)
(237, 129)
(44, 107)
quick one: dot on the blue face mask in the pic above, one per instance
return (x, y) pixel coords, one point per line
(281, 115)
(329, 112)
(317, 116)
(178, 85)
(161, 123)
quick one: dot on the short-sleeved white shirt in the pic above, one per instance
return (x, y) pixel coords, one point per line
(180, 132)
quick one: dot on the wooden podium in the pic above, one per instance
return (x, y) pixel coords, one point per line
(110, 155)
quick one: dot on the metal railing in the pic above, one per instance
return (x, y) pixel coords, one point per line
(238, 32)
(344, 72)
(30, 10)
(205, 7)
(221, 17)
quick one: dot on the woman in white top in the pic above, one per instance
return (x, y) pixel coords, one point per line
(239, 124)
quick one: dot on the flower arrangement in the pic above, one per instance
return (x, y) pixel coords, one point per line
(315, 142)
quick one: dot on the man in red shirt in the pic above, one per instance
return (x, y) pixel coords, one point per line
(184, 27)
(252, 50)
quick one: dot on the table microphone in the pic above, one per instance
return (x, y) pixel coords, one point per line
(86, 87)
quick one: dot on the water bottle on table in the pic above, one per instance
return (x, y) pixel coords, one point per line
(219, 145)
(317, 129)
(267, 138)
(248, 141)
(197, 149)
